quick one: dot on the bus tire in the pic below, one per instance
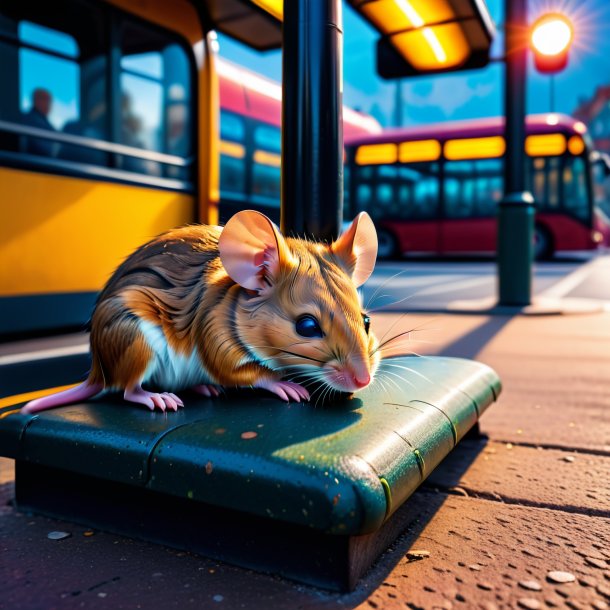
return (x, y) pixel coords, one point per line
(387, 245)
(543, 243)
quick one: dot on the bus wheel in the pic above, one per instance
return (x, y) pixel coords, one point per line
(386, 244)
(543, 244)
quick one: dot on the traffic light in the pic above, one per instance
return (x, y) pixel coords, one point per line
(550, 38)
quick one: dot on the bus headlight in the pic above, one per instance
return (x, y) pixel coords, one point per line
(597, 237)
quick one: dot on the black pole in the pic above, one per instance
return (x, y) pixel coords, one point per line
(312, 119)
(516, 211)
(514, 94)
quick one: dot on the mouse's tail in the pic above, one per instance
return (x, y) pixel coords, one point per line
(85, 390)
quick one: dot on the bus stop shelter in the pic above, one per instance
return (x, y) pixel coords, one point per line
(308, 493)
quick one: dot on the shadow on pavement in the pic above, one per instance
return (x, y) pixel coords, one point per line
(471, 344)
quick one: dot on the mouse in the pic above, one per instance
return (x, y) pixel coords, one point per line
(205, 307)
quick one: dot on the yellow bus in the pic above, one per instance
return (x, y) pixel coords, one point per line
(106, 139)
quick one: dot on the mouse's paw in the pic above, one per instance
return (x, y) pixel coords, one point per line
(207, 389)
(161, 401)
(286, 390)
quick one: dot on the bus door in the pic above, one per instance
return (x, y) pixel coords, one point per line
(471, 193)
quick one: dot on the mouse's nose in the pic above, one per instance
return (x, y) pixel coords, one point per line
(362, 380)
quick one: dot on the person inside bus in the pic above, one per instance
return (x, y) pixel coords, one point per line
(92, 126)
(38, 117)
(132, 134)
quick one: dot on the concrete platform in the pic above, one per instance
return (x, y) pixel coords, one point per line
(501, 513)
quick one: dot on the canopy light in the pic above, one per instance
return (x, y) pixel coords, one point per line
(428, 36)
(551, 38)
(273, 7)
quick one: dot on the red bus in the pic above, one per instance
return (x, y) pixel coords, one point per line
(250, 140)
(435, 189)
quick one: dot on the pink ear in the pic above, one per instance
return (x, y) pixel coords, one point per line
(357, 248)
(251, 249)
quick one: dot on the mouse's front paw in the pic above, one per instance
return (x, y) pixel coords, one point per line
(162, 401)
(286, 390)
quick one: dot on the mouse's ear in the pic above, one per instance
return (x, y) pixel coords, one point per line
(357, 248)
(252, 249)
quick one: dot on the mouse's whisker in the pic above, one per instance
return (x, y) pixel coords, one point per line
(406, 368)
(418, 328)
(300, 355)
(383, 285)
(391, 376)
(406, 333)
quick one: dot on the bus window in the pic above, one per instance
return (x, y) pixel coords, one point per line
(489, 186)
(232, 156)
(232, 127)
(363, 197)
(575, 200)
(48, 61)
(459, 176)
(266, 165)
(364, 172)
(40, 107)
(601, 184)
(543, 181)
(56, 68)
(155, 98)
(424, 186)
(473, 188)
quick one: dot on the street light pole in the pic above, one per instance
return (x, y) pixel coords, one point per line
(312, 119)
(516, 210)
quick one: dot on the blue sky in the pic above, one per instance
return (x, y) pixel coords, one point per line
(468, 94)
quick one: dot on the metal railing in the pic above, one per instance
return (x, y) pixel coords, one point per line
(92, 143)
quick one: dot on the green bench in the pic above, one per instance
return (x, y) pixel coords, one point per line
(302, 491)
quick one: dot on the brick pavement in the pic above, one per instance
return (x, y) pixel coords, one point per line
(530, 497)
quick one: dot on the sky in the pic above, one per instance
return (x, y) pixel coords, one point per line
(467, 94)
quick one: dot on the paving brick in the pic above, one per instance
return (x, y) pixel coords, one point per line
(479, 552)
(532, 477)
(556, 378)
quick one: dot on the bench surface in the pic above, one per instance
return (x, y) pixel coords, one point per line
(343, 468)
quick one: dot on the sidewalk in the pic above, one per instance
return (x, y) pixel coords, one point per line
(530, 497)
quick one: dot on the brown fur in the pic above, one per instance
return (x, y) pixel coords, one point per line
(178, 282)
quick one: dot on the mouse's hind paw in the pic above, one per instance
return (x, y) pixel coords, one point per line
(161, 401)
(207, 389)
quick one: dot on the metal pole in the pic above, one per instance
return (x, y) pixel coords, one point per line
(516, 210)
(398, 104)
(312, 119)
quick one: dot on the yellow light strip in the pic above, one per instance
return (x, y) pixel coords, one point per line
(376, 154)
(18, 398)
(576, 145)
(273, 7)
(545, 145)
(475, 148)
(266, 158)
(422, 150)
(232, 149)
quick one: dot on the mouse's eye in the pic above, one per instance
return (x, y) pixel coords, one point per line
(367, 323)
(307, 326)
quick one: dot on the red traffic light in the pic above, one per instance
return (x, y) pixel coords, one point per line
(550, 38)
